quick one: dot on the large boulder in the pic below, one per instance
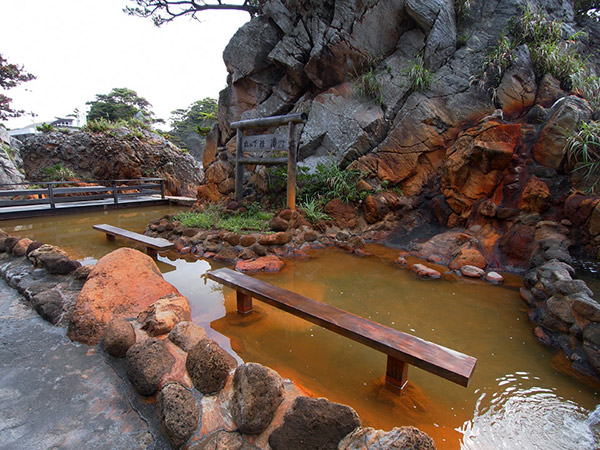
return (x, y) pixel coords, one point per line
(314, 423)
(550, 148)
(476, 162)
(113, 290)
(257, 393)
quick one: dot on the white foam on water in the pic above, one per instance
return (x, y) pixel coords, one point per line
(529, 419)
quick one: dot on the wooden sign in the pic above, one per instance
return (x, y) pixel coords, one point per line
(265, 142)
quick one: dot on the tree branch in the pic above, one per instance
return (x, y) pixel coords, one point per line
(163, 11)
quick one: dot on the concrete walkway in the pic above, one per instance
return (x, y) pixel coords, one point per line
(58, 394)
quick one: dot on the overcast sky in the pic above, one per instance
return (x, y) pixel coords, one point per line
(80, 48)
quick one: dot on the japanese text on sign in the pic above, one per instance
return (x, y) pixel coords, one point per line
(265, 142)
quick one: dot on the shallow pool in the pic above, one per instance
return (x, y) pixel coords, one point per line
(521, 395)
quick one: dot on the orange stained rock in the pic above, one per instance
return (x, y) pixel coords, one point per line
(114, 289)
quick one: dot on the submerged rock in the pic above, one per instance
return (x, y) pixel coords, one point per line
(403, 438)
(425, 272)
(269, 263)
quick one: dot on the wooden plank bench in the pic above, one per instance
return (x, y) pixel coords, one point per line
(153, 245)
(402, 349)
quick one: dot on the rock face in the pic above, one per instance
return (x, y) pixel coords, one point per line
(258, 391)
(101, 156)
(314, 423)
(9, 172)
(113, 290)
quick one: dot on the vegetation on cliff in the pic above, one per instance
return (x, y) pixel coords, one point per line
(11, 75)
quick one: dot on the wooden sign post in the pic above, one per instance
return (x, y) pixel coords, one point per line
(268, 143)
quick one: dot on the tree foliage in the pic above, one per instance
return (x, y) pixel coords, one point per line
(198, 118)
(119, 104)
(163, 11)
(11, 75)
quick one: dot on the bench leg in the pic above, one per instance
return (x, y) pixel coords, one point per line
(244, 303)
(110, 237)
(152, 252)
(396, 372)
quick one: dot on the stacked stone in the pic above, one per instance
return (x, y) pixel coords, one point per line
(563, 307)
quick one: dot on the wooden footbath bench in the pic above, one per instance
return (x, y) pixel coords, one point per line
(402, 349)
(153, 245)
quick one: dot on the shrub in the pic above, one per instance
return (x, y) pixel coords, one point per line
(45, 128)
(583, 153)
(58, 173)
(588, 85)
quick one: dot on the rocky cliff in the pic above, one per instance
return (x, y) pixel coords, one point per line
(120, 154)
(390, 89)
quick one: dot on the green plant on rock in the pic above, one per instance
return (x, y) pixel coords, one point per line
(462, 8)
(550, 52)
(329, 182)
(58, 173)
(583, 153)
(588, 85)
(366, 81)
(419, 77)
(314, 210)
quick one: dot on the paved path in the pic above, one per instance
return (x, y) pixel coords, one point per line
(57, 394)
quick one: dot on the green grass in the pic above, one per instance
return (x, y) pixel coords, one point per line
(419, 76)
(329, 181)
(583, 153)
(212, 217)
(314, 211)
(58, 173)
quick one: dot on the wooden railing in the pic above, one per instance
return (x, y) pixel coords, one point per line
(56, 192)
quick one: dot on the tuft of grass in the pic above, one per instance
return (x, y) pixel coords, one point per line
(314, 211)
(583, 153)
(45, 128)
(588, 85)
(135, 128)
(329, 182)
(419, 76)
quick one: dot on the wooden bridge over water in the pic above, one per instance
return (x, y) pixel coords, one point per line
(56, 197)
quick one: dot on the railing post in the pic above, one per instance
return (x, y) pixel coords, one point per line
(51, 195)
(239, 168)
(162, 188)
(115, 194)
(291, 168)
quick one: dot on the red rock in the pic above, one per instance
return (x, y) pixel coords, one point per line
(468, 257)
(361, 252)
(472, 271)
(578, 208)
(160, 317)
(342, 213)
(425, 272)
(247, 240)
(269, 263)
(517, 243)
(114, 289)
(209, 254)
(535, 196)
(280, 238)
(444, 247)
(541, 336)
